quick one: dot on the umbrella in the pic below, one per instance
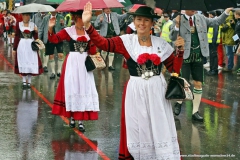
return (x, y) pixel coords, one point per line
(74, 5)
(56, 1)
(34, 7)
(200, 5)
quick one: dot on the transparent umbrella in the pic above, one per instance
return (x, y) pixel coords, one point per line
(34, 7)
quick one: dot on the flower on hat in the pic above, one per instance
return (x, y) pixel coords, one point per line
(82, 39)
(26, 31)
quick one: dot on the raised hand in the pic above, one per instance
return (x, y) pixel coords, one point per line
(228, 10)
(101, 18)
(51, 22)
(87, 14)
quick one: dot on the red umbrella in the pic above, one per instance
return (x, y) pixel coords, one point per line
(74, 5)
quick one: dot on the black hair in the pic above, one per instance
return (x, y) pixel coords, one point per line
(78, 12)
(134, 16)
(29, 13)
(8, 11)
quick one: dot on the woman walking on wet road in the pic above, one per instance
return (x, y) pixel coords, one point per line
(147, 124)
(76, 96)
(27, 61)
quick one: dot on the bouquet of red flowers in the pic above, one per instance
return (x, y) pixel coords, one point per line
(26, 31)
(82, 39)
(143, 58)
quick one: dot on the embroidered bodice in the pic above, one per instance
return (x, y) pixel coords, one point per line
(26, 35)
(75, 46)
(138, 70)
(26, 32)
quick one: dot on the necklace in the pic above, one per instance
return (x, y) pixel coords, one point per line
(144, 38)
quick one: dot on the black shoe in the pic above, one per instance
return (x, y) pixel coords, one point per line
(24, 86)
(197, 117)
(29, 85)
(177, 108)
(72, 123)
(111, 68)
(45, 69)
(81, 127)
(52, 76)
(212, 73)
(58, 74)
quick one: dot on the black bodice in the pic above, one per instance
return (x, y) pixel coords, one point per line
(137, 70)
(26, 35)
(72, 48)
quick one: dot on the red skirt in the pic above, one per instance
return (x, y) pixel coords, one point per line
(40, 68)
(59, 107)
(123, 150)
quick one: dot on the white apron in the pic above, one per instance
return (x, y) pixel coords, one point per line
(27, 58)
(80, 89)
(150, 126)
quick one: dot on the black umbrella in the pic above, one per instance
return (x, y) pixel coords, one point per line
(200, 5)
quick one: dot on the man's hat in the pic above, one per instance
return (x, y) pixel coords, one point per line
(144, 11)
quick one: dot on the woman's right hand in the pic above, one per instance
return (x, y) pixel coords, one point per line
(52, 22)
(87, 15)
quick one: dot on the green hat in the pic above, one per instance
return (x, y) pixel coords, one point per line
(144, 11)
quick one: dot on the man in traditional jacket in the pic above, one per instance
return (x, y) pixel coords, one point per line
(194, 31)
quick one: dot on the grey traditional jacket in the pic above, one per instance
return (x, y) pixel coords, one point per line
(115, 18)
(202, 23)
(37, 19)
(43, 30)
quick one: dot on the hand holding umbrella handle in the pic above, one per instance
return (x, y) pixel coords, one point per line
(87, 15)
(180, 43)
(228, 10)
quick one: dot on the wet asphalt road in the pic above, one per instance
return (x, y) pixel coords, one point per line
(29, 131)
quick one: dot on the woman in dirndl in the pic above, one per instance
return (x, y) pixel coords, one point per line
(76, 96)
(27, 61)
(147, 123)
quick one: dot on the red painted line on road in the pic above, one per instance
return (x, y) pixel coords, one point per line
(214, 104)
(87, 140)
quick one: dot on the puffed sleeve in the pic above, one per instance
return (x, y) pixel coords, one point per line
(114, 44)
(58, 37)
